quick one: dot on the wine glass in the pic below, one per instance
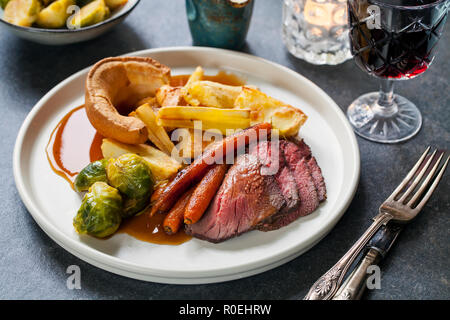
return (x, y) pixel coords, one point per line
(392, 40)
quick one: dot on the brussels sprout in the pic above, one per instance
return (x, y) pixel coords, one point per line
(114, 4)
(22, 12)
(94, 172)
(131, 175)
(55, 15)
(3, 3)
(92, 13)
(100, 211)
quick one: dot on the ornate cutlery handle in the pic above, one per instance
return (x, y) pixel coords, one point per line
(354, 285)
(327, 285)
(379, 245)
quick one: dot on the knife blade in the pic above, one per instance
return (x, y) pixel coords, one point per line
(376, 250)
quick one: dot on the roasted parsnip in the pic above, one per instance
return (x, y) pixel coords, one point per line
(210, 118)
(197, 75)
(156, 133)
(163, 167)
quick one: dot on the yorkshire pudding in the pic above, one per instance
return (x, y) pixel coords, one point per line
(113, 87)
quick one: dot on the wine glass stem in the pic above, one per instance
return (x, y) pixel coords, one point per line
(385, 105)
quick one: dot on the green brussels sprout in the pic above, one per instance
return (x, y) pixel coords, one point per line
(131, 175)
(93, 172)
(100, 211)
(3, 3)
(92, 13)
(55, 15)
(22, 12)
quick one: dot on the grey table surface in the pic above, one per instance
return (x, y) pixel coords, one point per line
(32, 266)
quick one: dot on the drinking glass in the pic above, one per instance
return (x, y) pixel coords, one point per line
(392, 40)
(316, 30)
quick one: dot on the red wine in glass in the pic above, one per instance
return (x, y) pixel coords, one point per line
(392, 40)
(396, 53)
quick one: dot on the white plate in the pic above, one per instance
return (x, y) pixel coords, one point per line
(53, 204)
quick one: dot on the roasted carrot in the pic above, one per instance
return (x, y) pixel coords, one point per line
(174, 219)
(157, 192)
(196, 171)
(204, 192)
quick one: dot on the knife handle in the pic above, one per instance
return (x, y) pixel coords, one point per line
(327, 285)
(355, 284)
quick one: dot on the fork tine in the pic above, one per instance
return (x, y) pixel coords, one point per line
(433, 186)
(409, 175)
(419, 177)
(426, 181)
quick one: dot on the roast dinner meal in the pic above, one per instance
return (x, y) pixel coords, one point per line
(166, 158)
(57, 14)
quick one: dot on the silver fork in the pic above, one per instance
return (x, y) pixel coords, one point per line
(398, 207)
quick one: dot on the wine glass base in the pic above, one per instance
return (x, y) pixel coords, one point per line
(373, 122)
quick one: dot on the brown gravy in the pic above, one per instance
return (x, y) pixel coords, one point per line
(150, 229)
(75, 143)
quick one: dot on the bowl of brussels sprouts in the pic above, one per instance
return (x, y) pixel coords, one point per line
(60, 22)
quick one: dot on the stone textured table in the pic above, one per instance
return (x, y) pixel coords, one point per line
(32, 266)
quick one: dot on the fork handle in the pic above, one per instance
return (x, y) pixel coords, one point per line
(327, 285)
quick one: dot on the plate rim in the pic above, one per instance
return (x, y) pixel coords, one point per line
(133, 270)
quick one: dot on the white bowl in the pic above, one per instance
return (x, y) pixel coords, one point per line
(66, 36)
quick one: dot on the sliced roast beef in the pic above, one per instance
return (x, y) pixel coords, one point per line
(273, 185)
(297, 149)
(245, 198)
(271, 157)
(309, 200)
(302, 166)
(294, 152)
(317, 177)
